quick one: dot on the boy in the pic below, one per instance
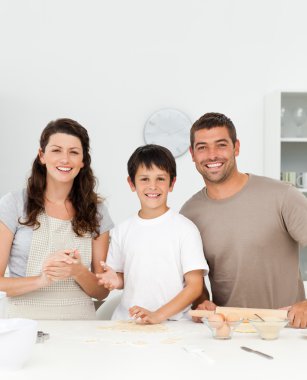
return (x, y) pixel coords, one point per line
(156, 255)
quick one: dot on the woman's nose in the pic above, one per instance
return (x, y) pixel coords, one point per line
(64, 157)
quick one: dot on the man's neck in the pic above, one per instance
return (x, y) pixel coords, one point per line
(228, 188)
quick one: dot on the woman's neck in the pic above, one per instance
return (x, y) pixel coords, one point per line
(57, 194)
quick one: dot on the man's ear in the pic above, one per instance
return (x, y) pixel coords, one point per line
(192, 153)
(237, 148)
(132, 187)
(41, 156)
(172, 185)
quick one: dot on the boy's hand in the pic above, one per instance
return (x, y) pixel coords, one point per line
(145, 316)
(109, 278)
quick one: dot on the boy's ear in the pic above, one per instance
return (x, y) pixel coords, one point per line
(172, 185)
(132, 187)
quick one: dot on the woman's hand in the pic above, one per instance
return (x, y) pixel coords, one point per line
(62, 265)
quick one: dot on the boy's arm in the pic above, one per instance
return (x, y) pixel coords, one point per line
(192, 290)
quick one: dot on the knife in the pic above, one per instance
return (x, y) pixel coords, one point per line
(257, 352)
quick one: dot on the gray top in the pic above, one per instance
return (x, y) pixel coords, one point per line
(12, 207)
(251, 242)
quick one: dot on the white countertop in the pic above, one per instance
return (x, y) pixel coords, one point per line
(82, 349)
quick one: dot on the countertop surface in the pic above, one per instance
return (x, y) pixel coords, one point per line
(175, 350)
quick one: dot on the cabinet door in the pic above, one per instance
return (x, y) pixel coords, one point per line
(285, 144)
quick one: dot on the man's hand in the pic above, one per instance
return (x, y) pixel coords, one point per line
(297, 314)
(206, 305)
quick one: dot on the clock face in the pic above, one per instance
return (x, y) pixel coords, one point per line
(170, 128)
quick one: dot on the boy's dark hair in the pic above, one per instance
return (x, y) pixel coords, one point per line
(213, 120)
(149, 155)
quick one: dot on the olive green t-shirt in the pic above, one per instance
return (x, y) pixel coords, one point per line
(251, 243)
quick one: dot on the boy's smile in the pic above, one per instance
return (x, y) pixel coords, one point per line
(152, 186)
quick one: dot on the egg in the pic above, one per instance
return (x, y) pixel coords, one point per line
(232, 317)
(223, 331)
(216, 320)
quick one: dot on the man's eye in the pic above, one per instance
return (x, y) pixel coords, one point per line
(201, 147)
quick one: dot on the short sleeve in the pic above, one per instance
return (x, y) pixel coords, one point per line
(191, 248)
(294, 212)
(106, 223)
(115, 258)
(9, 212)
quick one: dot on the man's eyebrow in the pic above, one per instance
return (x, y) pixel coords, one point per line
(216, 141)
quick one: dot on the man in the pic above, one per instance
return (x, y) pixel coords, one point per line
(251, 227)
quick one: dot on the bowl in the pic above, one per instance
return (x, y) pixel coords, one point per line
(270, 328)
(17, 339)
(220, 326)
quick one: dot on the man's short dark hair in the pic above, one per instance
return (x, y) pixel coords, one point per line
(149, 155)
(213, 120)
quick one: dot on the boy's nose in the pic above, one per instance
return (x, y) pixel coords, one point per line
(152, 185)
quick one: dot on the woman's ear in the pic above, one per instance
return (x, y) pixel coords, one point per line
(132, 187)
(41, 156)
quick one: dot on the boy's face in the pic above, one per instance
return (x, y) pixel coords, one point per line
(152, 187)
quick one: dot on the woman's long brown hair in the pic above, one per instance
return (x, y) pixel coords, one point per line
(82, 195)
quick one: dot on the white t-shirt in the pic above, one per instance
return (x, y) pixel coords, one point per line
(154, 254)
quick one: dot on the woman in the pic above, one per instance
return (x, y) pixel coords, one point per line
(54, 234)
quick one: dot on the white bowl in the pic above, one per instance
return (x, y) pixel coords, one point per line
(17, 339)
(270, 328)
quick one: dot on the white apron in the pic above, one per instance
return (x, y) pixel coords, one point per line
(61, 299)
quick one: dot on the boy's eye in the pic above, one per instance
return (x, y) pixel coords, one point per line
(161, 179)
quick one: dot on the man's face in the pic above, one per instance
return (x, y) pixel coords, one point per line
(214, 154)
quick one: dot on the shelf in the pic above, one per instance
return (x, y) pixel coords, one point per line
(294, 139)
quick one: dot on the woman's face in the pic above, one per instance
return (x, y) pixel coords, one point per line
(63, 157)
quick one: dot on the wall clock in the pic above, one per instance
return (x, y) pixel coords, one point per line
(170, 128)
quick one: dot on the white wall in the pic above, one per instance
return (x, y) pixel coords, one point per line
(110, 64)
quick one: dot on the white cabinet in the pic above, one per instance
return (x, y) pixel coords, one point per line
(285, 143)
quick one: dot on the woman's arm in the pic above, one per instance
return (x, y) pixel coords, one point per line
(87, 279)
(192, 290)
(21, 285)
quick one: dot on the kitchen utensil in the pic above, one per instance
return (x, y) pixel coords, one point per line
(257, 352)
(269, 328)
(221, 329)
(244, 313)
